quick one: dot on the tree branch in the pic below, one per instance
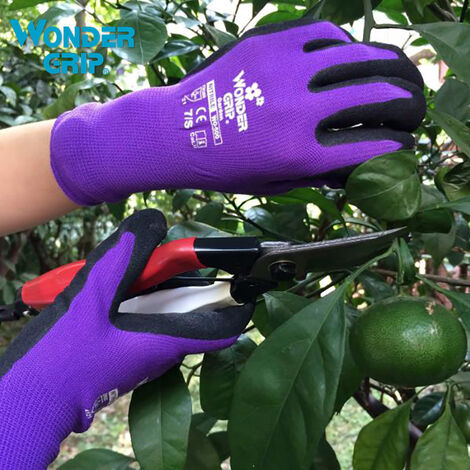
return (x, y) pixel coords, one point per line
(375, 408)
(191, 374)
(464, 11)
(393, 26)
(441, 13)
(369, 21)
(432, 277)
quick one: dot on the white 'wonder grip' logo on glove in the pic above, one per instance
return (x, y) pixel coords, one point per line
(203, 106)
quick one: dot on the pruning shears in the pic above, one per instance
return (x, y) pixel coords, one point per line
(256, 267)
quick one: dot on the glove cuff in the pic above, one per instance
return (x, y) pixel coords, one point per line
(104, 152)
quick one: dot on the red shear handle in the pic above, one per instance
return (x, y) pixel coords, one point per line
(166, 261)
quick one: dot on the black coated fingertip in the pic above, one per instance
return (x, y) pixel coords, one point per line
(411, 72)
(147, 222)
(404, 114)
(401, 67)
(330, 138)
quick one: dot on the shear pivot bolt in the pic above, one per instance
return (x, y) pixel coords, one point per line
(283, 270)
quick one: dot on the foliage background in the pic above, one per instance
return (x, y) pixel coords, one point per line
(428, 190)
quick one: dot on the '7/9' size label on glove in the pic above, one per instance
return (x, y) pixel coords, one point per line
(207, 113)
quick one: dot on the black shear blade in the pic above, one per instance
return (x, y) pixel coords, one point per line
(325, 256)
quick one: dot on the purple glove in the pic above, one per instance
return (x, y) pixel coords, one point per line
(80, 354)
(264, 114)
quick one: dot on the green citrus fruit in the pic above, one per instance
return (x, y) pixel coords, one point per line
(408, 342)
(462, 416)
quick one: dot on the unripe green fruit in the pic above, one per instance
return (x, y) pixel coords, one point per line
(408, 342)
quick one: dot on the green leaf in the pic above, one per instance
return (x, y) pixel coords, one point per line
(279, 306)
(286, 391)
(149, 39)
(421, 4)
(159, 421)
(375, 286)
(66, 100)
(427, 409)
(181, 197)
(462, 241)
(454, 98)
(455, 129)
(411, 9)
(220, 442)
(383, 443)
(203, 422)
(279, 16)
(452, 42)
(406, 264)
(177, 47)
(219, 373)
(460, 205)
(9, 293)
(290, 221)
(117, 209)
(9, 264)
(260, 217)
(438, 245)
(20, 4)
(193, 229)
(394, 10)
(341, 12)
(154, 8)
(10, 94)
(431, 221)
(306, 196)
(441, 447)
(460, 301)
(258, 5)
(59, 11)
(386, 187)
(202, 455)
(325, 457)
(186, 21)
(221, 38)
(455, 182)
(350, 377)
(98, 458)
(210, 214)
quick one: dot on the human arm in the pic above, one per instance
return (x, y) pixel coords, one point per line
(29, 192)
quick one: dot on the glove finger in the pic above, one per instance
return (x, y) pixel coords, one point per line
(113, 266)
(375, 101)
(352, 147)
(344, 62)
(355, 146)
(196, 331)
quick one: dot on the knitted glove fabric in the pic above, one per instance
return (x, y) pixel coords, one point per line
(287, 105)
(80, 353)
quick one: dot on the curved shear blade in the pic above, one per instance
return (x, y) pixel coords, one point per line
(325, 256)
